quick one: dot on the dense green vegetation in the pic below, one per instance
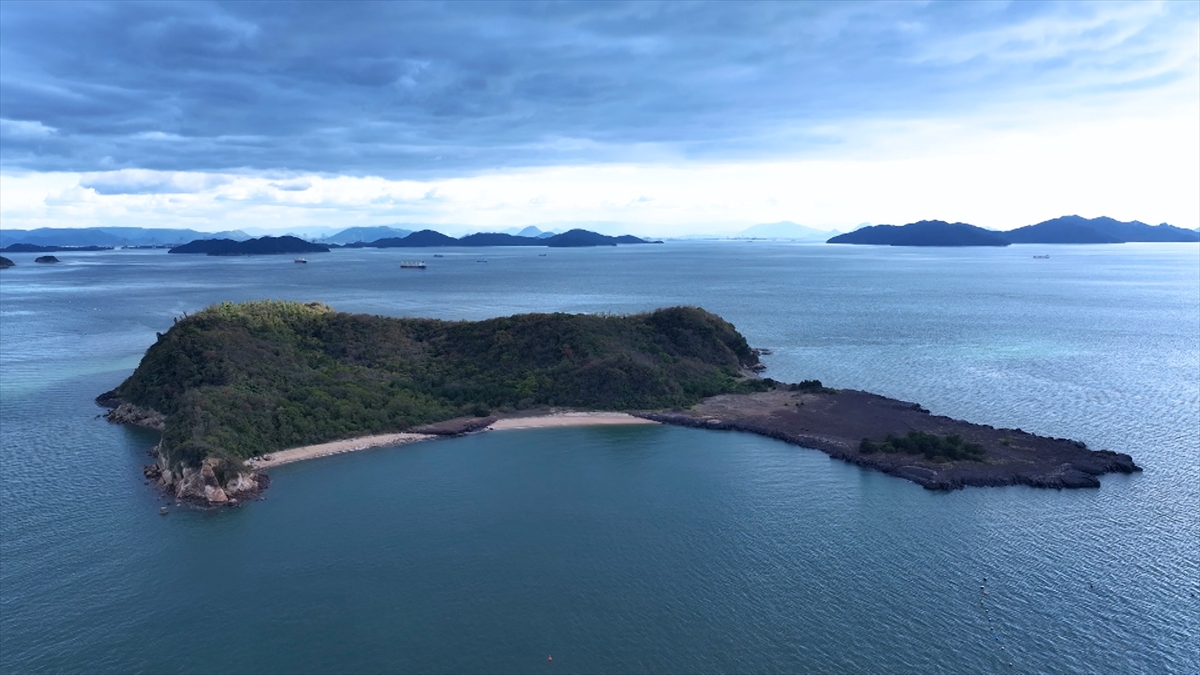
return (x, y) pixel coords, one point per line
(811, 386)
(934, 447)
(239, 380)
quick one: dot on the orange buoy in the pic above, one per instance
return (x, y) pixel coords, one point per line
(549, 658)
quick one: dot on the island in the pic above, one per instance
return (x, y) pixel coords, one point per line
(46, 259)
(234, 385)
(576, 238)
(1102, 230)
(34, 248)
(923, 233)
(1064, 230)
(5, 262)
(260, 246)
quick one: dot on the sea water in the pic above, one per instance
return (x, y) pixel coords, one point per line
(631, 549)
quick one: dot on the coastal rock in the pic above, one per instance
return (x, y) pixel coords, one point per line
(456, 426)
(837, 421)
(201, 484)
(46, 259)
(127, 413)
(5, 262)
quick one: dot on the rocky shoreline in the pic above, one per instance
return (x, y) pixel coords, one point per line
(211, 484)
(836, 422)
(832, 421)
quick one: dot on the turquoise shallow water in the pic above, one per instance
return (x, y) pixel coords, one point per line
(627, 549)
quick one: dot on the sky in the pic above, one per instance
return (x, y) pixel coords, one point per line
(655, 119)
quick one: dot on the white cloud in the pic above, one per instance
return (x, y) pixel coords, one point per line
(25, 129)
(144, 181)
(989, 173)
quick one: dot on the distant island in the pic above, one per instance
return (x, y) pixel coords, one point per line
(110, 237)
(1064, 230)
(46, 259)
(34, 248)
(237, 382)
(422, 239)
(570, 239)
(1079, 230)
(259, 246)
(923, 233)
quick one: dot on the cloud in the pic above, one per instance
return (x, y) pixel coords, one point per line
(434, 90)
(293, 185)
(22, 129)
(142, 181)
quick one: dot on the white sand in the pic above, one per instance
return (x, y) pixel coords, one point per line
(572, 419)
(334, 448)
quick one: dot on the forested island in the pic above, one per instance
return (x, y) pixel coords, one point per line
(260, 246)
(571, 239)
(1064, 230)
(238, 381)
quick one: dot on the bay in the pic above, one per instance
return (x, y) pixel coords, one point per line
(629, 549)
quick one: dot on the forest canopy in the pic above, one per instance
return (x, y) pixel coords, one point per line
(240, 380)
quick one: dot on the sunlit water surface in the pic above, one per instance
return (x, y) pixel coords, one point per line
(636, 549)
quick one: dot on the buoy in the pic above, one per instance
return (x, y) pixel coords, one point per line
(549, 658)
(163, 511)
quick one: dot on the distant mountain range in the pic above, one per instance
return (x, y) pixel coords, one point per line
(110, 236)
(785, 230)
(1064, 230)
(356, 234)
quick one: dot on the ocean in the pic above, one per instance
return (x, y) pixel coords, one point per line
(627, 549)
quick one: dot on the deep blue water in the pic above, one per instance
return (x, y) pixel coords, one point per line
(637, 549)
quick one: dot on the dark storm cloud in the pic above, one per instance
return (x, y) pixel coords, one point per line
(418, 89)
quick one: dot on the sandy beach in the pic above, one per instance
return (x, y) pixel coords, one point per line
(572, 419)
(334, 448)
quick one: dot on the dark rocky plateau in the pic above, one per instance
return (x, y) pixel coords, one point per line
(836, 422)
(46, 259)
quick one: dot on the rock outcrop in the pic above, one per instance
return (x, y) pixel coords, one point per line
(836, 422)
(215, 482)
(5, 262)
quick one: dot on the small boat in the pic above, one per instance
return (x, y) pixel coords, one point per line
(1041, 257)
(162, 511)
(302, 261)
(541, 255)
(482, 260)
(438, 255)
(413, 265)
